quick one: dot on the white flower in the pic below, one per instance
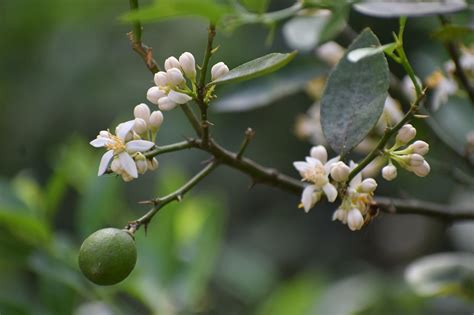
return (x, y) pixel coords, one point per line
(421, 170)
(419, 147)
(188, 65)
(406, 134)
(171, 62)
(218, 70)
(368, 185)
(340, 215)
(179, 98)
(389, 172)
(174, 77)
(340, 171)
(355, 220)
(140, 126)
(161, 79)
(316, 172)
(156, 119)
(330, 52)
(166, 104)
(152, 164)
(319, 152)
(142, 111)
(118, 146)
(415, 159)
(154, 94)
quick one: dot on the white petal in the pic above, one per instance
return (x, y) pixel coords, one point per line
(301, 166)
(313, 162)
(100, 142)
(307, 198)
(104, 161)
(179, 98)
(128, 164)
(356, 180)
(139, 146)
(124, 128)
(165, 104)
(330, 191)
(319, 152)
(330, 163)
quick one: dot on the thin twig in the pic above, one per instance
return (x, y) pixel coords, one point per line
(174, 196)
(249, 135)
(453, 51)
(170, 148)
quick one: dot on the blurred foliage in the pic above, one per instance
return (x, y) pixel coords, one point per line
(67, 69)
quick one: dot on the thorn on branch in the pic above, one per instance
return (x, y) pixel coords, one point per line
(249, 135)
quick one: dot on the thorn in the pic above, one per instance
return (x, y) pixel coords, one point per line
(209, 160)
(215, 49)
(145, 228)
(252, 184)
(179, 197)
(421, 116)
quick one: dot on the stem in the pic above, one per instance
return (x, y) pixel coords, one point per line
(389, 132)
(249, 135)
(453, 51)
(176, 195)
(170, 148)
(202, 84)
(136, 38)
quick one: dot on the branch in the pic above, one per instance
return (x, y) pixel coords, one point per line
(453, 51)
(425, 208)
(170, 148)
(174, 196)
(136, 39)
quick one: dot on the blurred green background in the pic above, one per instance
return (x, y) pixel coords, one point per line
(67, 71)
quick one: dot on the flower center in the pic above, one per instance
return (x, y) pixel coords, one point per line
(117, 145)
(317, 175)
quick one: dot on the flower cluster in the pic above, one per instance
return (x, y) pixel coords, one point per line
(356, 202)
(325, 177)
(408, 156)
(171, 88)
(125, 148)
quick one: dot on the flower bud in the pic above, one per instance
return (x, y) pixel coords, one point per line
(340, 215)
(126, 177)
(340, 172)
(421, 170)
(154, 94)
(104, 133)
(152, 164)
(116, 167)
(156, 119)
(415, 159)
(389, 172)
(406, 134)
(142, 111)
(188, 64)
(218, 70)
(140, 126)
(175, 77)
(171, 62)
(161, 78)
(141, 163)
(419, 147)
(319, 152)
(368, 185)
(166, 104)
(355, 220)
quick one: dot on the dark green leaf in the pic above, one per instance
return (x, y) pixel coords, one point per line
(266, 90)
(256, 68)
(386, 8)
(166, 9)
(354, 96)
(454, 32)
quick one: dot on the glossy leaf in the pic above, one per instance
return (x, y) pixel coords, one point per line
(266, 90)
(443, 274)
(386, 9)
(361, 53)
(354, 97)
(166, 9)
(256, 68)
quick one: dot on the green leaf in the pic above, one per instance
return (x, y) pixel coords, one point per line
(387, 9)
(361, 53)
(165, 9)
(256, 68)
(266, 90)
(443, 274)
(354, 96)
(305, 32)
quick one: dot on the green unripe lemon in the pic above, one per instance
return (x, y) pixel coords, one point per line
(107, 256)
